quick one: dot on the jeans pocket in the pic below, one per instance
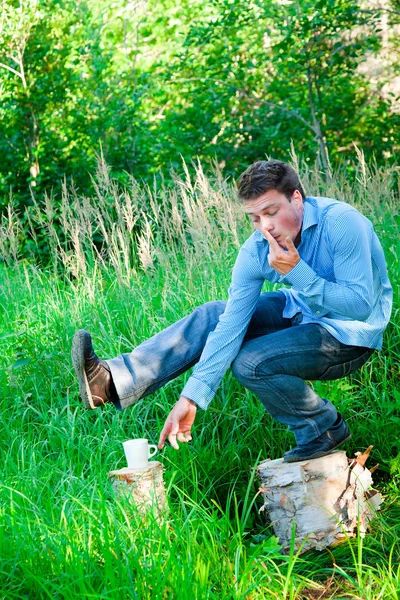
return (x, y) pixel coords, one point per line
(341, 370)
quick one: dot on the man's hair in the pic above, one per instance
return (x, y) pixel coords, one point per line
(265, 175)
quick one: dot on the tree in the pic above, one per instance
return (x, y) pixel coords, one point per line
(151, 81)
(256, 75)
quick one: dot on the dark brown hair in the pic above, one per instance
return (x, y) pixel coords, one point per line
(265, 175)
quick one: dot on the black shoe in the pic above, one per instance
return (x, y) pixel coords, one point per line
(95, 382)
(322, 445)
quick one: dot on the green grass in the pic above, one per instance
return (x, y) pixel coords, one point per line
(63, 533)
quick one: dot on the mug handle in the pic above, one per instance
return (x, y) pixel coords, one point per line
(155, 450)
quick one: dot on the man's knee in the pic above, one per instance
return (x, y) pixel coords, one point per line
(212, 310)
(216, 306)
(242, 369)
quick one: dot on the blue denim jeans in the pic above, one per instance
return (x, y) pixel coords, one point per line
(276, 356)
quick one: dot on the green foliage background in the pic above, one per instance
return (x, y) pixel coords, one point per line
(149, 81)
(140, 85)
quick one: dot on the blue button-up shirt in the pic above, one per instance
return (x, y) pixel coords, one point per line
(340, 282)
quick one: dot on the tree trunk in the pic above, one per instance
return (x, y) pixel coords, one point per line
(323, 150)
(142, 488)
(322, 501)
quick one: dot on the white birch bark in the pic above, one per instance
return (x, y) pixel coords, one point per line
(325, 499)
(144, 488)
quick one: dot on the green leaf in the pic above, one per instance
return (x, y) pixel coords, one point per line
(12, 334)
(21, 362)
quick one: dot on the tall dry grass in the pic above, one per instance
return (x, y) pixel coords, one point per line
(134, 227)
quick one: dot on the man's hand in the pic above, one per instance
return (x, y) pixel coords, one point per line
(279, 259)
(178, 423)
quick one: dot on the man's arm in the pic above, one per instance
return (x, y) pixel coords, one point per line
(351, 295)
(223, 344)
(220, 350)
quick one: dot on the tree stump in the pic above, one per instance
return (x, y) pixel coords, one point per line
(324, 499)
(142, 488)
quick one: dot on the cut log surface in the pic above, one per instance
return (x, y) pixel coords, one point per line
(142, 487)
(324, 499)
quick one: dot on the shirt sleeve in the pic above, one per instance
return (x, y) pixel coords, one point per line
(350, 295)
(224, 342)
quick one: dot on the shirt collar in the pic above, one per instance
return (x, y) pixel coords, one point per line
(310, 215)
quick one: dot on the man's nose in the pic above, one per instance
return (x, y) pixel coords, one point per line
(266, 224)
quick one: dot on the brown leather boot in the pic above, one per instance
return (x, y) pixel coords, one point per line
(95, 382)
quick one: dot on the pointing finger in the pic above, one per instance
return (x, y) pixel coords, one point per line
(163, 436)
(272, 241)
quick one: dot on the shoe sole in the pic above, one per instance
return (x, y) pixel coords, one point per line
(78, 361)
(293, 459)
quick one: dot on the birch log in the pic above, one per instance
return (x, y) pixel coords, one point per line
(143, 488)
(326, 499)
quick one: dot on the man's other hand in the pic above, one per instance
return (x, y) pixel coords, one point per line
(280, 259)
(179, 423)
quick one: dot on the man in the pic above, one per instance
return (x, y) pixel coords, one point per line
(324, 326)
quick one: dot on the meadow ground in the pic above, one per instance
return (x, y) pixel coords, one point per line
(125, 264)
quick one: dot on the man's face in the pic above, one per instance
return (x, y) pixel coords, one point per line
(274, 213)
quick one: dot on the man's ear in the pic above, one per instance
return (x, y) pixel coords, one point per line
(297, 198)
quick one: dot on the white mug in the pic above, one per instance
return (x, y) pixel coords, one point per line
(138, 452)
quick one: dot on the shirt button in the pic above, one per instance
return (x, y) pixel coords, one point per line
(318, 312)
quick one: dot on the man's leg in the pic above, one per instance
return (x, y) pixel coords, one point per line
(275, 366)
(177, 348)
(165, 355)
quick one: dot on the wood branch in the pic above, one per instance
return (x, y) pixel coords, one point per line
(326, 499)
(362, 457)
(323, 150)
(252, 96)
(10, 69)
(288, 111)
(22, 71)
(380, 9)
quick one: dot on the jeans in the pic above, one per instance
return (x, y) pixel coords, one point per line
(276, 356)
